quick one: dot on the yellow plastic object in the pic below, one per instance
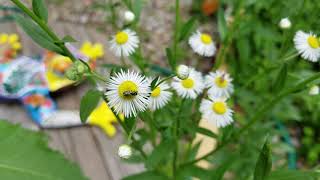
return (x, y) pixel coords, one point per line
(93, 51)
(103, 117)
(56, 66)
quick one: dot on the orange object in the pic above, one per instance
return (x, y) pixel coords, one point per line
(209, 7)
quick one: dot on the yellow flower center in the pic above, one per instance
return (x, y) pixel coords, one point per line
(122, 37)
(221, 82)
(187, 83)
(128, 90)
(206, 39)
(156, 92)
(313, 42)
(219, 107)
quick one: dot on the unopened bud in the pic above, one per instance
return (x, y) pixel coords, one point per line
(125, 151)
(183, 72)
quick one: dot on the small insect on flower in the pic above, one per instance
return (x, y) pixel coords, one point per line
(160, 96)
(216, 111)
(202, 44)
(124, 43)
(285, 23)
(128, 93)
(308, 45)
(219, 84)
(183, 72)
(190, 87)
(125, 151)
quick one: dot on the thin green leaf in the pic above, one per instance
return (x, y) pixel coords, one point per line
(187, 28)
(154, 82)
(193, 151)
(171, 59)
(147, 175)
(25, 154)
(37, 34)
(193, 171)
(137, 8)
(88, 103)
(68, 38)
(281, 79)
(222, 24)
(159, 153)
(206, 132)
(39, 8)
(264, 163)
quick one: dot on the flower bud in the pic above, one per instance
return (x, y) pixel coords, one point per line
(314, 90)
(71, 74)
(81, 68)
(183, 72)
(125, 151)
(285, 23)
(129, 16)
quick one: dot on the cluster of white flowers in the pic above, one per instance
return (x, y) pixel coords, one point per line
(129, 92)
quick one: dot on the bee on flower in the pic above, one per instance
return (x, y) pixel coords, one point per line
(219, 84)
(128, 93)
(124, 43)
(160, 96)
(216, 111)
(202, 44)
(190, 87)
(308, 45)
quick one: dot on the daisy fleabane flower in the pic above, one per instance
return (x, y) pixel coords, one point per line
(190, 87)
(216, 111)
(219, 84)
(202, 44)
(124, 43)
(308, 45)
(160, 96)
(128, 93)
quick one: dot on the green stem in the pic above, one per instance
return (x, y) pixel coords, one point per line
(163, 80)
(176, 31)
(260, 113)
(177, 136)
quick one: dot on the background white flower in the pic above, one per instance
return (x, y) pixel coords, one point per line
(124, 43)
(190, 87)
(308, 45)
(128, 93)
(219, 84)
(216, 111)
(202, 44)
(160, 96)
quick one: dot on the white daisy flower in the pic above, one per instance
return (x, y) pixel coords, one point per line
(202, 44)
(216, 111)
(124, 43)
(125, 151)
(160, 96)
(190, 87)
(219, 84)
(308, 45)
(128, 93)
(285, 23)
(183, 72)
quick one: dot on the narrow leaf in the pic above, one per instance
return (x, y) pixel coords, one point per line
(154, 82)
(187, 28)
(171, 59)
(264, 163)
(40, 9)
(88, 103)
(281, 79)
(206, 132)
(159, 153)
(37, 34)
(222, 25)
(68, 38)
